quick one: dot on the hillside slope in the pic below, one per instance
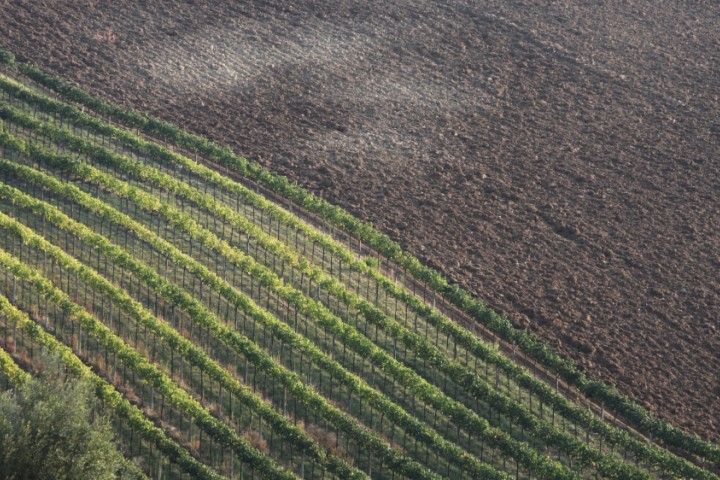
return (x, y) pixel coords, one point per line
(558, 161)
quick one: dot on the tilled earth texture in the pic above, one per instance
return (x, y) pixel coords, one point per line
(562, 162)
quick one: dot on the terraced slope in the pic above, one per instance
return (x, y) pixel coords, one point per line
(234, 339)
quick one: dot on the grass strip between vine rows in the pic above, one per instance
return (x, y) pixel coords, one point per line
(527, 341)
(177, 397)
(586, 455)
(110, 397)
(463, 337)
(540, 464)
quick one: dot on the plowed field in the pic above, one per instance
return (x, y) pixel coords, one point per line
(560, 162)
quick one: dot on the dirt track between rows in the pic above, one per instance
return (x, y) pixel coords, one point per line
(561, 162)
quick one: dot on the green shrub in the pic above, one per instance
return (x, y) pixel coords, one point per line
(51, 428)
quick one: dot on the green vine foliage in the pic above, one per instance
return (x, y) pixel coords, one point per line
(16, 376)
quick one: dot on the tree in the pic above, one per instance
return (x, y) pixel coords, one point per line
(51, 427)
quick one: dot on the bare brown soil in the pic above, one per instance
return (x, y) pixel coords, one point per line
(561, 162)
